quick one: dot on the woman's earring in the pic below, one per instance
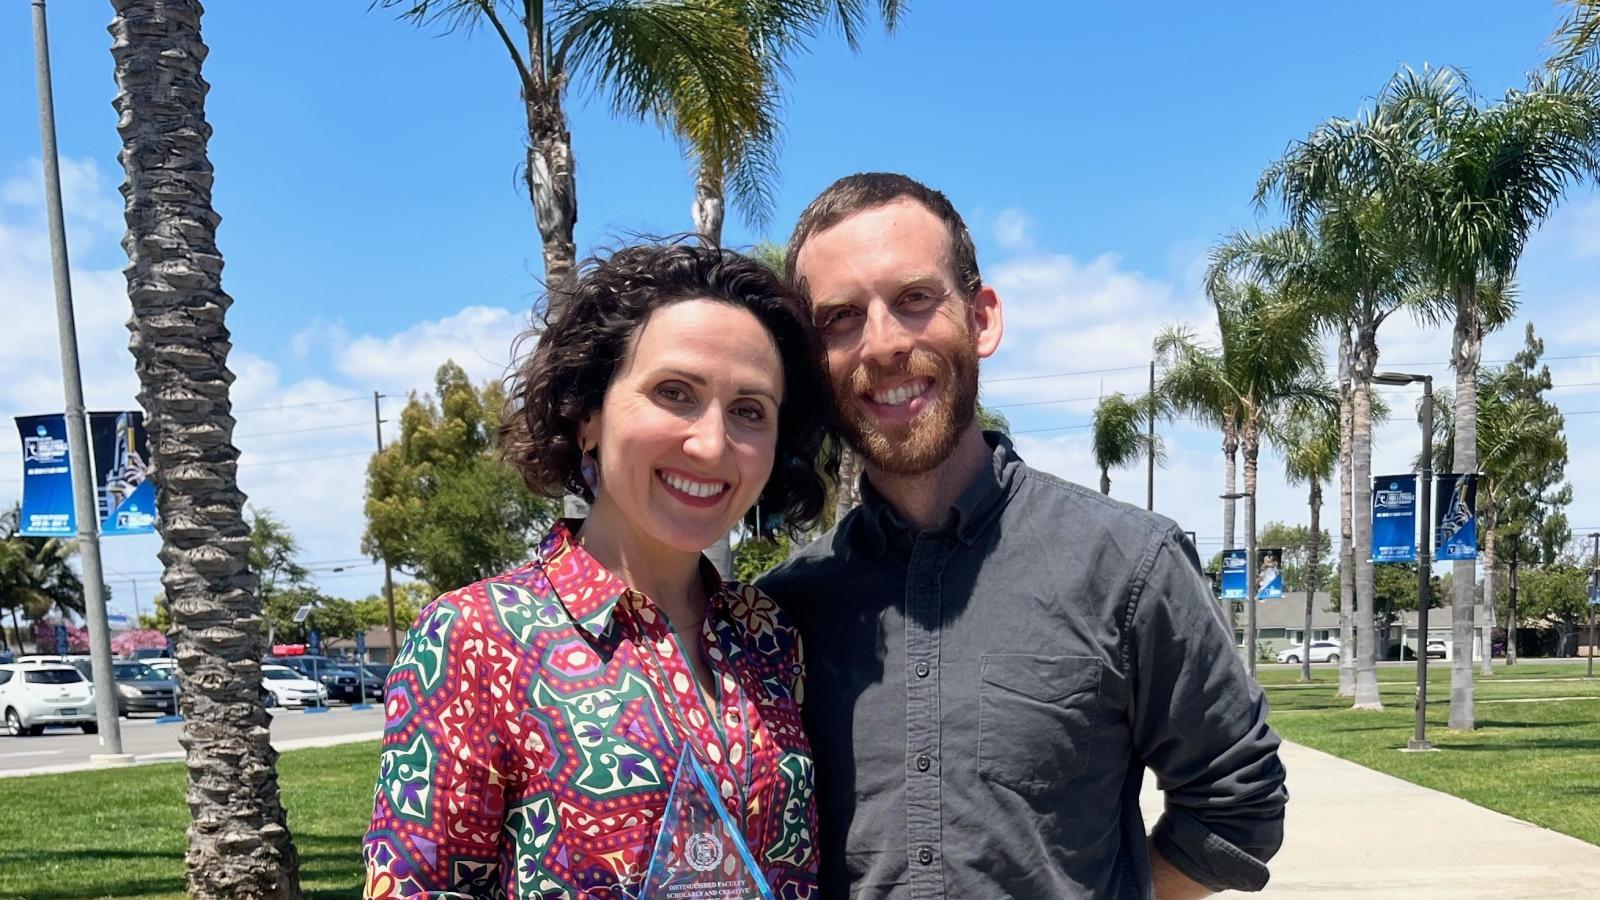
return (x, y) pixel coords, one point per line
(589, 468)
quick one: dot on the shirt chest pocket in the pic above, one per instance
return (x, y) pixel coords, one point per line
(1036, 719)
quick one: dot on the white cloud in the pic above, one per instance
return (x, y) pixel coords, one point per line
(478, 338)
(1013, 229)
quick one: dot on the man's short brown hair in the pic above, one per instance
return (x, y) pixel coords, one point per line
(867, 190)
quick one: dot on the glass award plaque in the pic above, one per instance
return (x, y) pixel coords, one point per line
(700, 853)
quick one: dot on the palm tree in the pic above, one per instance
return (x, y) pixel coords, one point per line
(1522, 456)
(1578, 39)
(735, 148)
(36, 574)
(1119, 435)
(1310, 439)
(1476, 182)
(648, 60)
(1343, 255)
(239, 844)
(1267, 360)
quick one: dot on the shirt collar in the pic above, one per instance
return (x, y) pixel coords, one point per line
(589, 591)
(972, 510)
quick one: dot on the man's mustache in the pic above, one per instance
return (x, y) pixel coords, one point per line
(917, 364)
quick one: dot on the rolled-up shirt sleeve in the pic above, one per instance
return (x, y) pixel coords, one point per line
(1200, 723)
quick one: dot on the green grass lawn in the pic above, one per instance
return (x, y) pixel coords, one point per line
(1536, 761)
(120, 832)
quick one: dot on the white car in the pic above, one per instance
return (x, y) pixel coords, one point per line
(283, 686)
(1321, 651)
(33, 695)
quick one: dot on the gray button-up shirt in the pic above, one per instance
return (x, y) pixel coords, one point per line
(983, 698)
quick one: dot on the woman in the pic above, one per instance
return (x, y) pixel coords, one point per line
(535, 720)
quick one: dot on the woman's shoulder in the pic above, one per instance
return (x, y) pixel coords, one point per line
(751, 607)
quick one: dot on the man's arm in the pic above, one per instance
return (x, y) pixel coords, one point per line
(1171, 884)
(1200, 723)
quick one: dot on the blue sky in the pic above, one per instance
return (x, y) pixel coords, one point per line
(373, 224)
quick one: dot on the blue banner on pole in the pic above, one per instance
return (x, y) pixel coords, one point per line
(46, 478)
(1269, 573)
(1394, 518)
(126, 498)
(1233, 575)
(63, 646)
(1594, 595)
(361, 646)
(315, 640)
(1455, 531)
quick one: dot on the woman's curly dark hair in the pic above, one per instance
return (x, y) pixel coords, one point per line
(590, 332)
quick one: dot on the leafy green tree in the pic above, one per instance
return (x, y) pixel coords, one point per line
(754, 557)
(409, 599)
(1558, 593)
(1307, 562)
(441, 505)
(1120, 438)
(239, 843)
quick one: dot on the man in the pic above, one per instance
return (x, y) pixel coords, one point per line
(994, 656)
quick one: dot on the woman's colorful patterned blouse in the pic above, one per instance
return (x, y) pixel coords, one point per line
(534, 723)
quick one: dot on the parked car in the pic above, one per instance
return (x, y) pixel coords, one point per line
(1321, 651)
(166, 667)
(1436, 649)
(33, 695)
(140, 688)
(146, 654)
(283, 686)
(342, 680)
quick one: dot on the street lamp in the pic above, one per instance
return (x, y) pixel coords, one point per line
(1419, 740)
(1249, 577)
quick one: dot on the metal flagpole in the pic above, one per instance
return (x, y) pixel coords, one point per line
(94, 600)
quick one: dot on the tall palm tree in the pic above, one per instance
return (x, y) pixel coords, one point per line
(1476, 181)
(239, 844)
(1522, 456)
(1310, 440)
(1119, 435)
(1345, 257)
(1267, 360)
(648, 60)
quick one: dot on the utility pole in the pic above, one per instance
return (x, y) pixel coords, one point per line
(87, 512)
(1419, 738)
(1594, 598)
(388, 574)
(1150, 446)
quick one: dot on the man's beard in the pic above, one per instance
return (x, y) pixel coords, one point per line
(929, 439)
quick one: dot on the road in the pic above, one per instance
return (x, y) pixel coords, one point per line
(66, 749)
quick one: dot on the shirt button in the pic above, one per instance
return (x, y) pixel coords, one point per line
(923, 763)
(925, 856)
(922, 670)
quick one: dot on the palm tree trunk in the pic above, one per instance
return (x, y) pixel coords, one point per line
(1250, 444)
(239, 843)
(1366, 359)
(1488, 522)
(550, 166)
(1465, 351)
(1312, 559)
(1230, 455)
(848, 493)
(1105, 481)
(1511, 605)
(1347, 560)
(709, 205)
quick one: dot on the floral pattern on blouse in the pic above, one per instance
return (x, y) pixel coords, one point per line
(533, 727)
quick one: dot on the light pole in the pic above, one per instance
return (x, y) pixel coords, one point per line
(1419, 740)
(1249, 498)
(1594, 596)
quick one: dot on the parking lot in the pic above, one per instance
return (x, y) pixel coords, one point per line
(65, 749)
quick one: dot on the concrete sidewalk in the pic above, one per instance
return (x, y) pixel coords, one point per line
(1352, 832)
